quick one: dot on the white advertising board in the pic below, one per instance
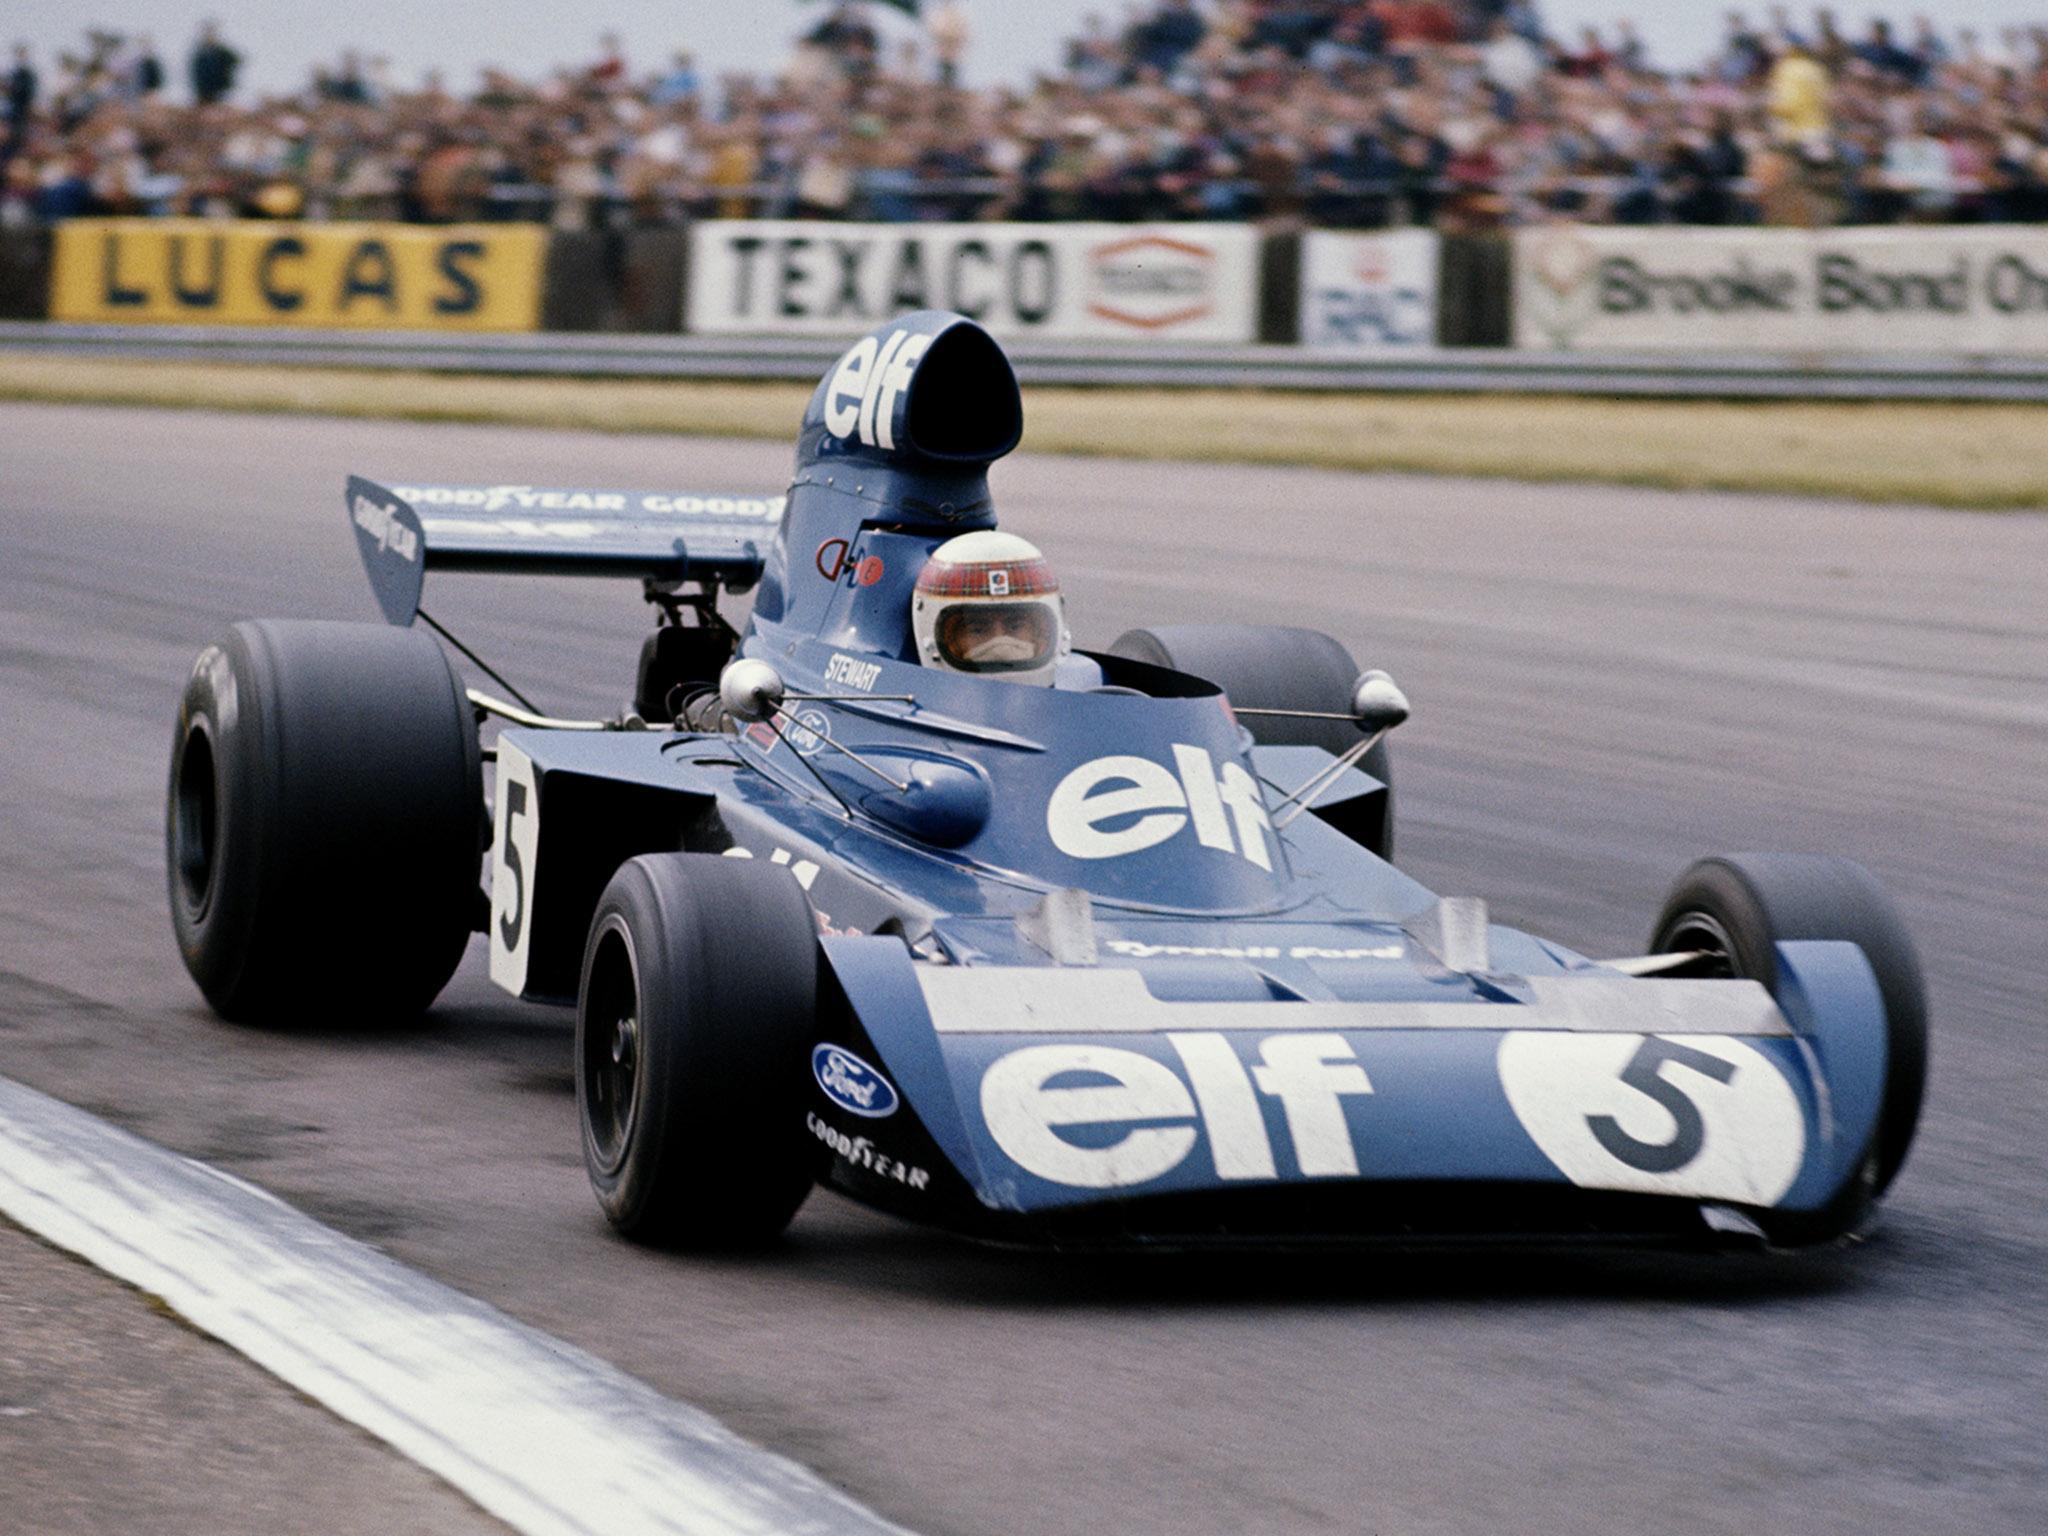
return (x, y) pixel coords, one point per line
(1184, 282)
(1369, 292)
(1975, 289)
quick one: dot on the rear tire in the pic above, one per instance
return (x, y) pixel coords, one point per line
(697, 1010)
(1271, 666)
(1739, 907)
(326, 790)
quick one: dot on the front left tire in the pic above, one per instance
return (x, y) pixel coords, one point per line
(695, 1016)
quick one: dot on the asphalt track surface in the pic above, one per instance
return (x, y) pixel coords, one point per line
(1608, 683)
(113, 1418)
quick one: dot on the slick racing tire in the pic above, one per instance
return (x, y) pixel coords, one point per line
(322, 826)
(1738, 907)
(694, 1019)
(1269, 666)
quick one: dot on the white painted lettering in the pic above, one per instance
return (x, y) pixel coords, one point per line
(1304, 1073)
(902, 368)
(1215, 804)
(1074, 816)
(1205, 805)
(1230, 1111)
(852, 672)
(866, 429)
(849, 388)
(1021, 1113)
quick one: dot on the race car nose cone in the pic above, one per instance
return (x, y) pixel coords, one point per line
(1376, 703)
(750, 689)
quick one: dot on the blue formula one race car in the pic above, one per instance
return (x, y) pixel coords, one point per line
(894, 890)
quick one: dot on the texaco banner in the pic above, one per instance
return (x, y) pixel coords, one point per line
(1185, 282)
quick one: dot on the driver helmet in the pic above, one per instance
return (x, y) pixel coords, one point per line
(989, 603)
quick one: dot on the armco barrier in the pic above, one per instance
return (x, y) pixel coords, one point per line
(1442, 370)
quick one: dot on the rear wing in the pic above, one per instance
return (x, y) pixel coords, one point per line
(404, 532)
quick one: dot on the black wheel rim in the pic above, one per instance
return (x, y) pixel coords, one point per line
(611, 1047)
(195, 820)
(1702, 933)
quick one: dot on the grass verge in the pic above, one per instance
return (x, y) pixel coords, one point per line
(1955, 455)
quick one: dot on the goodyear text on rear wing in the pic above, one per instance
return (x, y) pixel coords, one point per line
(667, 536)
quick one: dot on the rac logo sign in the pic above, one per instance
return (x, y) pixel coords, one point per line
(1113, 806)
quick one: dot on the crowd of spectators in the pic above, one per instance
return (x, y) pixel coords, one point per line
(1463, 114)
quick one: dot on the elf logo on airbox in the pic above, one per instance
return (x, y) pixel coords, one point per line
(1090, 815)
(870, 380)
(1133, 1119)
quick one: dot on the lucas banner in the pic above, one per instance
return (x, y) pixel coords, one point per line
(1369, 292)
(1182, 282)
(461, 277)
(1944, 291)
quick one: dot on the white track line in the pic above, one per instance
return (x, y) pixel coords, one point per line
(542, 1435)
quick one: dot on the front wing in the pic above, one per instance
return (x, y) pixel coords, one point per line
(1068, 1105)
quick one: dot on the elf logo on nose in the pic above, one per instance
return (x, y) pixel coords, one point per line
(1138, 1121)
(1090, 815)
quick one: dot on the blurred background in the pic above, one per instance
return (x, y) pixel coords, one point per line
(1454, 114)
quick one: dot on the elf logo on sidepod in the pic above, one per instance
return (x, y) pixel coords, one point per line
(1089, 815)
(851, 1083)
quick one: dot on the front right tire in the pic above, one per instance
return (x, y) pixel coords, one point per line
(1735, 910)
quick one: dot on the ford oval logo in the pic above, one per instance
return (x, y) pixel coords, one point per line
(851, 1083)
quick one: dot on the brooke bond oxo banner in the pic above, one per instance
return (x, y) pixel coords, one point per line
(1184, 282)
(463, 277)
(1369, 292)
(1955, 290)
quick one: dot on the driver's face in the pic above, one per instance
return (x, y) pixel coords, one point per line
(984, 636)
(977, 626)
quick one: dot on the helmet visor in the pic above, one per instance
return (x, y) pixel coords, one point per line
(997, 637)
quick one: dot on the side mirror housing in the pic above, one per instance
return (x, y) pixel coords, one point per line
(1377, 704)
(751, 689)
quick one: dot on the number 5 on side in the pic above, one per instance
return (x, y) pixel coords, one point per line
(515, 836)
(1644, 1073)
(1706, 1116)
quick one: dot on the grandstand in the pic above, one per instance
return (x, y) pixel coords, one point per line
(1462, 115)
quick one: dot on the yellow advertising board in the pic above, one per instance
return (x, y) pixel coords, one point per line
(455, 277)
